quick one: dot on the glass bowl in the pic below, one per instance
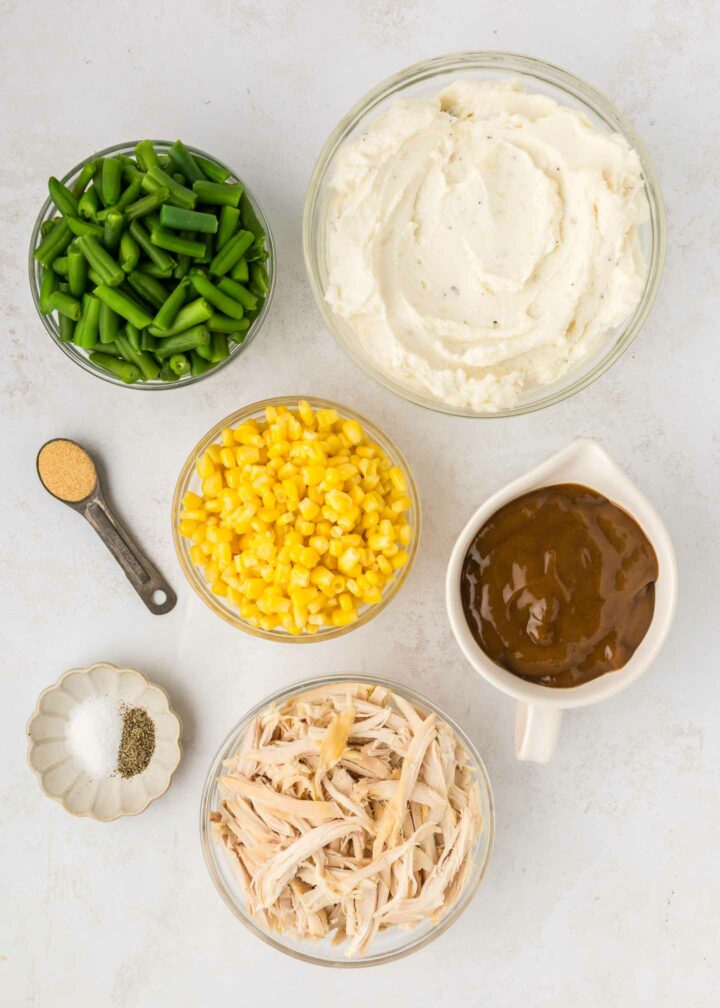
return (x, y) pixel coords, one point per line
(189, 480)
(424, 80)
(80, 356)
(388, 945)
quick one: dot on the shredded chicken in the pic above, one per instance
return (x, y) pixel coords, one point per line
(346, 811)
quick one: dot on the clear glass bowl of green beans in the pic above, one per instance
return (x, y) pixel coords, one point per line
(151, 264)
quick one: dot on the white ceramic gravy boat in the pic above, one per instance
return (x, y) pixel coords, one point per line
(540, 708)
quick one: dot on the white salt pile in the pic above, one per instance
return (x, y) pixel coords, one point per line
(93, 734)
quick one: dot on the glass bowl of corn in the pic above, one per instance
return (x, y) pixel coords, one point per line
(296, 519)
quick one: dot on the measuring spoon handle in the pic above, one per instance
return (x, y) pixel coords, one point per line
(145, 578)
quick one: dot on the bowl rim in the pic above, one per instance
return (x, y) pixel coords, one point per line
(34, 271)
(201, 588)
(549, 73)
(57, 685)
(210, 849)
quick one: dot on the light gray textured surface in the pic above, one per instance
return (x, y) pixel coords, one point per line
(604, 887)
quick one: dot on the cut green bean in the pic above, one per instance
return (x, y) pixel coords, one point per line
(166, 373)
(249, 218)
(47, 226)
(229, 219)
(148, 342)
(148, 287)
(53, 246)
(130, 170)
(94, 278)
(124, 306)
(60, 266)
(167, 313)
(129, 252)
(218, 298)
(126, 372)
(199, 335)
(259, 283)
(108, 324)
(198, 366)
(190, 315)
(61, 196)
(114, 224)
(129, 195)
(100, 260)
(223, 323)
(132, 334)
(219, 347)
(149, 184)
(176, 243)
(81, 228)
(89, 205)
(110, 180)
(240, 271)
(179, 194)
(145, 362)
(155, 254)
(218, 193)
(87, 333)
(65, 304)
(180, 364)
(183, 267)
(152, 270)
(66, 327)
(184, 161)
(233, 250)
(48, 286)
(236, 291)
(145, 154)
(87, 173)
(212, 171)
(146, 204)
(180, 219)
(77, 271)
(256, 251)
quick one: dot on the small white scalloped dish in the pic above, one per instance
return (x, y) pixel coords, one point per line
(64, 780)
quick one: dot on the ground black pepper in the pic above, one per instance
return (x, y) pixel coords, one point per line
(137, 743)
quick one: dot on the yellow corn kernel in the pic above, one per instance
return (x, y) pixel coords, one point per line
(191, 500)
(326, 418)
(321, 576)
(319, 543)
(398, 480)
(404, 534)
(372, 596)
(313, 474)
(227, 436)
(187, 527)
(401, 504)
(219, 588)
(352, 431)
(342, 618)
(399, 560)
(205, 466)
(308, 509)
(197, 556)
(384, 565)
(346, 602)
(212, 485)
(306, 414)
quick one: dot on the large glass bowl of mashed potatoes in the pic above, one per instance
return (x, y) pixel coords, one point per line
(484, 234)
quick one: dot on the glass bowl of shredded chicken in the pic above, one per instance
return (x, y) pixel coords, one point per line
(347, 821)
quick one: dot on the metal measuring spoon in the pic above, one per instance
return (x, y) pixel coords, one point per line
(145, 578)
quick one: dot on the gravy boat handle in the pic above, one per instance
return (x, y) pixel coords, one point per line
(537, 730)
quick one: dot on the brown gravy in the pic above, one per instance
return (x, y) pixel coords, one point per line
(558, 587)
